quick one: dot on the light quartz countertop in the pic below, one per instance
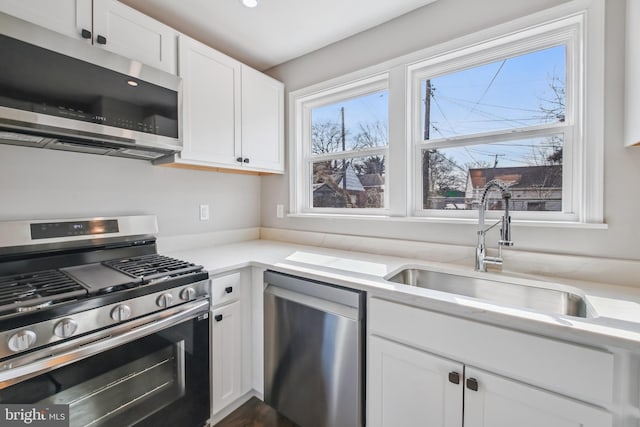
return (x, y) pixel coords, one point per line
(614, 311)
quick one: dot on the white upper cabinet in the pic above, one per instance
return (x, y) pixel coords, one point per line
(211, 104)
(107, 24)
(233, 116)
(262, 121)
(69, 17)
(127, 32)
(632, 70)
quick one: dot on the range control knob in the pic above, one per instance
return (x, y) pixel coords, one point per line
(164, 300)
(121, 312)
(22, 340)
(65, 328)
(187, 294)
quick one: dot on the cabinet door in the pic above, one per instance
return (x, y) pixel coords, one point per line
(226, 354)
(499, 402)
(211, 104)
(127, 32)
(262, 121)
(408, 387)
(68, 17)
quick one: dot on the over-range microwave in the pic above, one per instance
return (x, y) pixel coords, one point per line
(60, 93)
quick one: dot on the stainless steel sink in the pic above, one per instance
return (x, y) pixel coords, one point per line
(532, 297)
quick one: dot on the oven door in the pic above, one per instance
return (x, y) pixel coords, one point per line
(152, 371)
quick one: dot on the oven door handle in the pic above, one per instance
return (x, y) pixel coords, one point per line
(39, 362)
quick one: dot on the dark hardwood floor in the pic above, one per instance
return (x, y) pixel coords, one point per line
(255, 413)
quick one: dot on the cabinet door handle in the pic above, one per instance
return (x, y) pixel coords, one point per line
(472, 384)
(246, 160)
(454, 377)
(228, 289)
(101, 39)
(86, 34)
(218, 317)
(239, 159)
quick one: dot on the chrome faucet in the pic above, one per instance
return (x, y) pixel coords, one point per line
(505, 232)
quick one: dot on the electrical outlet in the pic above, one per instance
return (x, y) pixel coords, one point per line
(280, 211)
(204, 212)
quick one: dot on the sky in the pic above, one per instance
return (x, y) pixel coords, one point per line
(363, 110)
(496, 96)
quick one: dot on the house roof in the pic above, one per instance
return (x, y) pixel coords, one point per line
(353, 182)
(549, 176)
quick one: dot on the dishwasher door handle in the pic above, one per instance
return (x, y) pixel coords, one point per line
(313, 302)
(325, 291)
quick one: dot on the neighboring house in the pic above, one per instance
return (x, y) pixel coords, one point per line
(533, 188)
(358, 192)
(373, 184)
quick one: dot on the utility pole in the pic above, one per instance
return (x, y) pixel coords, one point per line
(427, 109)
(343, 135)
(426, 157)
(495, 159)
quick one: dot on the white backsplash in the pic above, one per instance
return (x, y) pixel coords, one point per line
(601, 270)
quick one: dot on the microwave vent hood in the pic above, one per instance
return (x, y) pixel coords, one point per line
(64, 94)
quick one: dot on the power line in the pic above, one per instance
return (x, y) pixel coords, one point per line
(443, 114)
(493, 79)
(505, 107)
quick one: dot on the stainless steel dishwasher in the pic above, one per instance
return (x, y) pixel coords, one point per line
(314, 351)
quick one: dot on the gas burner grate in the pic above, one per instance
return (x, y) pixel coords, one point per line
(34, 290)
(152, 267)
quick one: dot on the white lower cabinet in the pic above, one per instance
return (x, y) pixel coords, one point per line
(410, 387)
(226, 354)
(230, 338)
(434, 370)
(500, 402)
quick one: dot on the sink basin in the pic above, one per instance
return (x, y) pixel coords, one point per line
(532, 297)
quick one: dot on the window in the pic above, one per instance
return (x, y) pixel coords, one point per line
(425, 132)
(505, 111)
(345, 144)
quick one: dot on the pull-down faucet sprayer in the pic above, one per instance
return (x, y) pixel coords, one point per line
(505, 232)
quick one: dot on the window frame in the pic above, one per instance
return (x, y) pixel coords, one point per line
(305, 158)
(564, 32)
(402, 166)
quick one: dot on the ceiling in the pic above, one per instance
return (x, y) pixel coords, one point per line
(277, 30)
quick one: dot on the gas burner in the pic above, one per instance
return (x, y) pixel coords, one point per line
(153, 267)
(31, 291)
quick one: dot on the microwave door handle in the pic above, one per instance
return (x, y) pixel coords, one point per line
(33, 364)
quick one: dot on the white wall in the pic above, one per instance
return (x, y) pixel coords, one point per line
(43, 184)
(433, 24)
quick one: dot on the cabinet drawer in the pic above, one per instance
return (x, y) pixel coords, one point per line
(582, 372)
(225, 289)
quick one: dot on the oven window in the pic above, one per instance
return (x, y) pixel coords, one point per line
(161, 379)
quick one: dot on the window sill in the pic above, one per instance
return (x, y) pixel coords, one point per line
(451, 221)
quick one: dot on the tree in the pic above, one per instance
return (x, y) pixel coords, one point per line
(371, 135)
(553, 109)
(325, 137)
(440, 175)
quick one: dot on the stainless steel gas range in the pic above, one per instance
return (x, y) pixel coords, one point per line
(92, 317)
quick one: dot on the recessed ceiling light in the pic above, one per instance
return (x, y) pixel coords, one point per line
(132, 83)
(250, 3)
